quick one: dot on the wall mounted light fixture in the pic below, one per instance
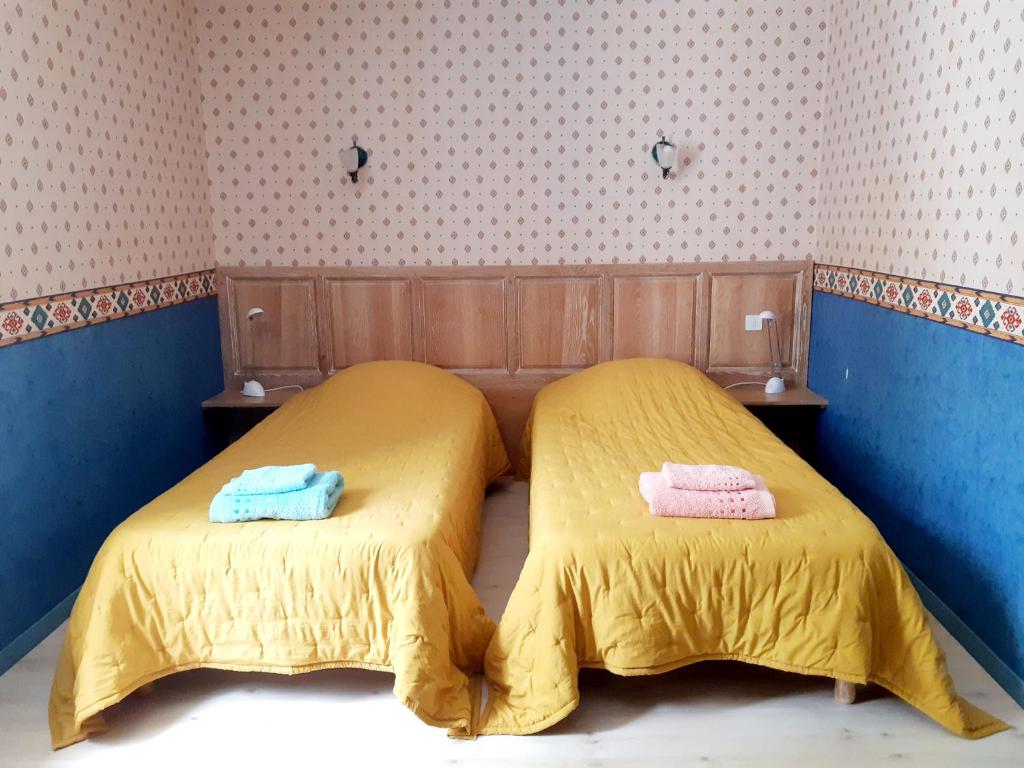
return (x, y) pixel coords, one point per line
(354, 158)
(776, 383)
(664, 154)
(252, 388)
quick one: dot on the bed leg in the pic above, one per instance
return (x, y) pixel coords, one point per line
(845, 693)
(148, 688)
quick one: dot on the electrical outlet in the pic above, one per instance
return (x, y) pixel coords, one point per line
(752, 323)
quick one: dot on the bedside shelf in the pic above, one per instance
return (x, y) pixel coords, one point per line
(792, 415)
(800, 397)
(232, 414)
(231, 399)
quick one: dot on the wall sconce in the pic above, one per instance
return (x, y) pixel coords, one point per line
(775, 385)
(354, 158)
(253, 388)
(664, 154)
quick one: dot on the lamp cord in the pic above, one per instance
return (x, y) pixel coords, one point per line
(284, 386)
(745, 383)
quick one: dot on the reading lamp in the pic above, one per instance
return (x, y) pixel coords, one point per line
(253, 388)
(775, 384)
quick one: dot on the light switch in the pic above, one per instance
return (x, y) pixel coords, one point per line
(752, 323)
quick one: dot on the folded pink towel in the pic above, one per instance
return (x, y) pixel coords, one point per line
(707, 477)
(755, 503)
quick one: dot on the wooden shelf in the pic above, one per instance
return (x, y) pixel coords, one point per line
(232, 399)
(754, 395)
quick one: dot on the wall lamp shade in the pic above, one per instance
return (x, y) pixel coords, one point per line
(664, 154)
(776, 384)
(251, 387)
(354, 158)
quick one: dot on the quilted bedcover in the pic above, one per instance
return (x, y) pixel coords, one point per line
(381, 584)
(606, 585)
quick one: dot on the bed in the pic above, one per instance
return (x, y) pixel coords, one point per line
(382, 584)
(605, 585)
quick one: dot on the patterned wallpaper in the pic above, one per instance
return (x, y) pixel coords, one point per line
(922, 165)
(511, 131)
(102, 167)
(508, 132)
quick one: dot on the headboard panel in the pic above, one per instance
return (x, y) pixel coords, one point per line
(510, 330)
(366, 319)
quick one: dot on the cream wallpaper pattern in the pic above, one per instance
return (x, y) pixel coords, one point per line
(102, 164)
(922, 164)
(508, 132)
(511, 132)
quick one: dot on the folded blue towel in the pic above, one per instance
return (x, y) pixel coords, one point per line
(314, 502)
(272, 479)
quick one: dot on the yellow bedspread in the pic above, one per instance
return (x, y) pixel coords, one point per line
(381, 584)
(607, 585)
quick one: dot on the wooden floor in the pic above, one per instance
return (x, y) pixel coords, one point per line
(711, 714)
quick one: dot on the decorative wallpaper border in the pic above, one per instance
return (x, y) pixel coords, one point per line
(992, 314)
(44, 316)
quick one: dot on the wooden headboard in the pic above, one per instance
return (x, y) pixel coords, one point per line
(510, 330)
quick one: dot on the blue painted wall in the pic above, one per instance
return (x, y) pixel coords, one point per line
(93, 424)
(926, 436)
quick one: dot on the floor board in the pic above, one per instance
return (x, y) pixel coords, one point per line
(711, 714)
